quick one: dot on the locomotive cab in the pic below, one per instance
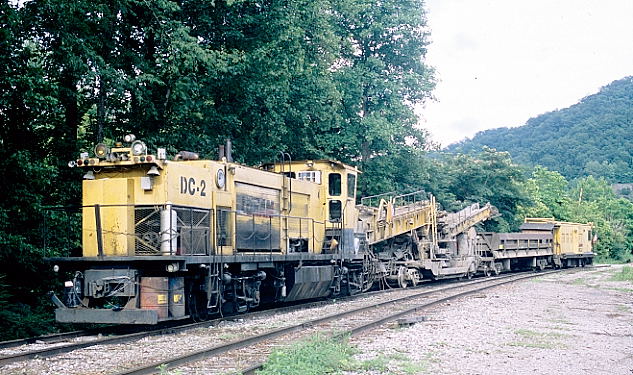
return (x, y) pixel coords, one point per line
(337, 194)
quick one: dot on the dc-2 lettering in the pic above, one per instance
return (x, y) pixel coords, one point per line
(189, 185)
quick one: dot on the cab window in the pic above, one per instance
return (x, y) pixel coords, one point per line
(334, 183)
(351, 185)
(335, 210)
(312, 176)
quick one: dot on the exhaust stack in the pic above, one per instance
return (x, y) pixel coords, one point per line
(229, 150)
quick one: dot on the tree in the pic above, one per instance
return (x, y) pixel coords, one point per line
(489, 177)
(381, 75)
(548, 192)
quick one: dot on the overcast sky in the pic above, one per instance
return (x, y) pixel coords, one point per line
(500, 62)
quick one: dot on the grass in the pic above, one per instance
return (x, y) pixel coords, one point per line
(315, 356)
(602, 260)
(626, 274)
(320, 355)
(539, 340)
(579, 281)
(411, 368)
(379, 363)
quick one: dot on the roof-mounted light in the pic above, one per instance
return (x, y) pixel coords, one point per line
(138, 148)
(129, 138)
(101, 151)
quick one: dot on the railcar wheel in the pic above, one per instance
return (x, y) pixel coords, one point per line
(415, 276)
(402, 277)
(487, 271)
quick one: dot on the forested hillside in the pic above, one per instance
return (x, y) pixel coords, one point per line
(593, 137)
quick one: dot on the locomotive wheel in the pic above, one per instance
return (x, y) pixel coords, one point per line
(402, 277)
(496, 269)
(415, 277)
(487, 271)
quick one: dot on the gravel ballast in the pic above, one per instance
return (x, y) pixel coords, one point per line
(571, 323)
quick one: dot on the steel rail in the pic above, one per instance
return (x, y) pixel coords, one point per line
(157, 367)
(251, 370)
(125, 337)
(179, 328)
(55, 337)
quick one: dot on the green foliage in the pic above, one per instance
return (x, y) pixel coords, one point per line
(585, 200)
(491, 177)
(381, 75)
(588, 138)
(626, 274)
(315, 356)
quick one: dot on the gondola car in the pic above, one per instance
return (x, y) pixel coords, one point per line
(542, 242)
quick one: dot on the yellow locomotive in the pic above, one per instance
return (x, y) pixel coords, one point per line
(170, 238)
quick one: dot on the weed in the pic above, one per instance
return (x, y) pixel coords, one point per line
(440, 344)
(317, 355)
(541, 340)
(527, 333)
(379, 363)
(626, 274)
(398, 357)
(411, 368)
(162, 370)
(558, 328)
(227, 336)
(539, 345)
(561, 321)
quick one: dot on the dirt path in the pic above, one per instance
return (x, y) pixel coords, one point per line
(574, 323)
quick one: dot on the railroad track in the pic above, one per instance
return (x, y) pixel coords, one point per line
(229, 342)
(357, 320)
(60, 343)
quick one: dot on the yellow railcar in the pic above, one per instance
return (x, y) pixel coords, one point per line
(571, 242)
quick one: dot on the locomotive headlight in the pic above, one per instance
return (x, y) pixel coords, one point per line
(101, 151)
(129, 138)
(56, 268)
(72, 164)
(138, 148)
(172, 267)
